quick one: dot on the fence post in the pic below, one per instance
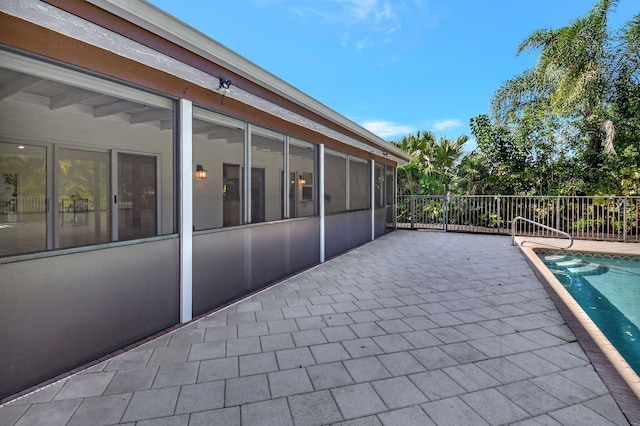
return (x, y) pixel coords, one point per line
(499, 222)
(446, 212)
(557, 224)
(624, 219)
(412, 203)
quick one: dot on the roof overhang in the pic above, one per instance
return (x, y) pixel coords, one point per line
(156, 21)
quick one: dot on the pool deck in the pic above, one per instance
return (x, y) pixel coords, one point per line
(595, 344)
(415, 328)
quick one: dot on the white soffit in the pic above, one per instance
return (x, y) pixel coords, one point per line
(159, 22)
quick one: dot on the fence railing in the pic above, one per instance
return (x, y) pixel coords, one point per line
(10, 205)
(606, 218)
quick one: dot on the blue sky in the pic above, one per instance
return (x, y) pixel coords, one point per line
(392, 66)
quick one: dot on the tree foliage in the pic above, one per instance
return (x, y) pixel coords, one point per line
(568, 126)
(434, 165)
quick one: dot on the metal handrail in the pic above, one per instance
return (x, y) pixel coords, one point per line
(533, 222)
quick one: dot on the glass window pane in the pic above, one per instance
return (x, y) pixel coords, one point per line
(23, 189)
(389, 184)
(83, 191)
(95, 123)
(359, 185)
(302, 182)
(218, 148)
(267, 187)
(137, 202)
(379, 182)
(232, 194)
(335, 186)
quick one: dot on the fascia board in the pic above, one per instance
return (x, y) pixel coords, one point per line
(157, 21)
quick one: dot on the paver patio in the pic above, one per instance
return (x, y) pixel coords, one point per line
(416, 328)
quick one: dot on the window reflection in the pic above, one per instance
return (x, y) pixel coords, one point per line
(23, 189)
(267, 163)
(359, 184)
(232, 194)
(302, 184)
(218, 145)
(379, 185)
(389, 182)
(83, 189)
(137, 202)
(82, 127)
(335, 186)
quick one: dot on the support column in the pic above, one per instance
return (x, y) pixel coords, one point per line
(286, 181)
(246, 211)
(186, 209)
(395, 198)
(373, 200)
(321, 200)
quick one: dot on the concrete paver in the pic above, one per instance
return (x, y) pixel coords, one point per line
(416, 328)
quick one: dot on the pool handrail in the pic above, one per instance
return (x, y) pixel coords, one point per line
(533, 222)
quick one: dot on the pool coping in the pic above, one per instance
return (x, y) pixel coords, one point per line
(604, 355)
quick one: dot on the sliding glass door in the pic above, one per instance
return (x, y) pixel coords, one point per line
(84, 193)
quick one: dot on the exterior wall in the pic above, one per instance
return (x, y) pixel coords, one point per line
(69, 306)
(345, 231)
(61, 311)
(230, 263)
(380, 222)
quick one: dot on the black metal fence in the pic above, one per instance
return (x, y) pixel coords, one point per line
(606, 218)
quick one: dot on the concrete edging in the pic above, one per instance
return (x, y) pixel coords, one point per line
(612, 354)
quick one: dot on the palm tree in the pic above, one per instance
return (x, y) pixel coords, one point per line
(420, 147)
(434, 163)
(445, 160)
(573, 76)
(473, 177)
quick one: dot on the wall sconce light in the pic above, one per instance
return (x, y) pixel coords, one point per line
(224, 84)
(201, 173)
(302, 180)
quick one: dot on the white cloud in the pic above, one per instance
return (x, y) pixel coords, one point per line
(385, 12)
(358, 23)
(360, 9)
(361, 44)
(450, 123)
(386, 129)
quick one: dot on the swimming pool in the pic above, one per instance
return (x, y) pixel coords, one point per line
(607, 287)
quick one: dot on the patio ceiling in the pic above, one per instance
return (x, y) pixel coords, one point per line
(32, 90)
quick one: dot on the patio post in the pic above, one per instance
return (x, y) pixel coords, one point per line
(373, 199)
(185, 113)
(321, 200)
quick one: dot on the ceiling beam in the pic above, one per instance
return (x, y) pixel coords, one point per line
(17, 84)
(115, 108)
(150, 115)
(71, 97)
(166, 124)
(204, 128)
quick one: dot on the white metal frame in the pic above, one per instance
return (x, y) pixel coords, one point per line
(321, 200)
(185, 140)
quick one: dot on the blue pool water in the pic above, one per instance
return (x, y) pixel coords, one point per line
(608, 290)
